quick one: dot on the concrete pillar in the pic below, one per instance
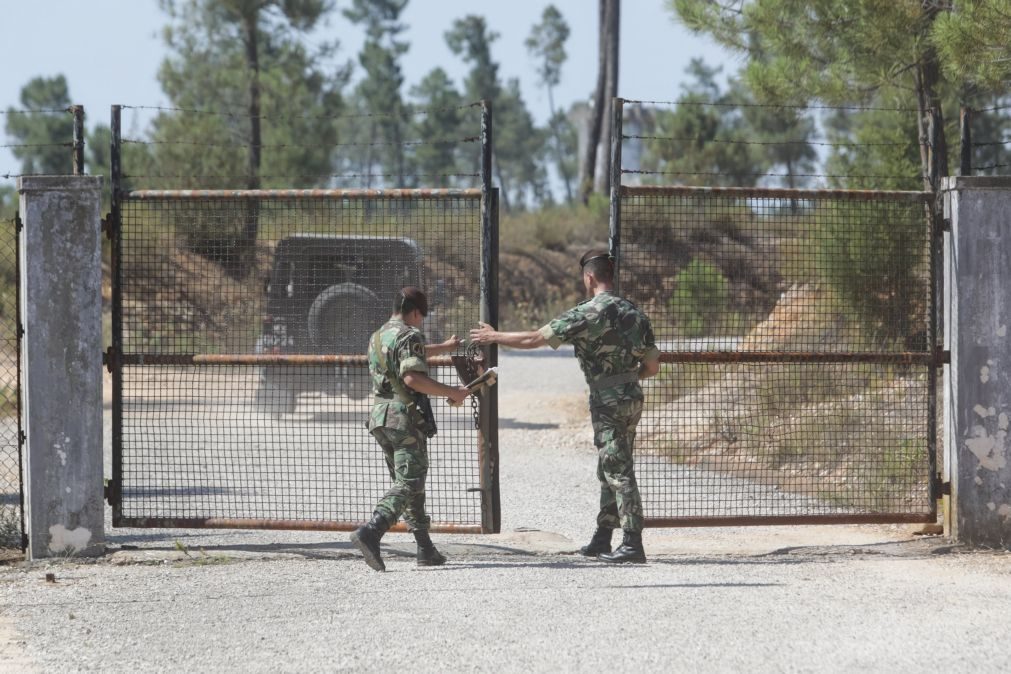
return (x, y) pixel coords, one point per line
(978, 400)
(61, 295)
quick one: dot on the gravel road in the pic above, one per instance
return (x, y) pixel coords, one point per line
(763, 599)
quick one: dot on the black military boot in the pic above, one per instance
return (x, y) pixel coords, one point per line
(601, 542)
(367, 537)
(630, 551)
(427, 554)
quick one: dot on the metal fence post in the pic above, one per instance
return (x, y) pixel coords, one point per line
(116, 349)
(617, 107)
(78, 112)
(965, 147)
(488, 432)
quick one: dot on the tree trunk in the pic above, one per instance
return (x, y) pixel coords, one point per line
(503, 191)
(930, 120)
(589, 159)
(612, 33)
(560, 157)
(246, 253)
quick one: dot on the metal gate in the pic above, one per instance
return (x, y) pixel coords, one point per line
(240, 323)
(12, 504)
(798, 331)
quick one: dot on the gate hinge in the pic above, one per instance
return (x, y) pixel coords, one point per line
(941, 488)
(18, 224)
(108, 358)
(24, 541)
(107, 225)
(108, 493)
(22, 437)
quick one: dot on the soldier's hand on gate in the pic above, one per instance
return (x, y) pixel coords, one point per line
(458, 394)
(451, 343)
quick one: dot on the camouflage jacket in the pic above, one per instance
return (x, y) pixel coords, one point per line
(394, 350)
(611, 337)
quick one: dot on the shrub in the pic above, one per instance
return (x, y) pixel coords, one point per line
(699, 301)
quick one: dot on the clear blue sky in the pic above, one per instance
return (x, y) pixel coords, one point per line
(110, 50)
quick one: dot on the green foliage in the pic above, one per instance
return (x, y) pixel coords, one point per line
(880, 143)
(700, 299)
(974, 43)
(440, 127)
(43, 128)
(245, 58)
(873, 260)
(546, 43)
(10, 529)
(518, 143)
(380, 89)
(8, 203)
(553, 228)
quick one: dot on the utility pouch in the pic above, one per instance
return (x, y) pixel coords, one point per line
(423, 408)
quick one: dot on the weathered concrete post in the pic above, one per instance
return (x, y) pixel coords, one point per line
(61, 293)
(978, 397)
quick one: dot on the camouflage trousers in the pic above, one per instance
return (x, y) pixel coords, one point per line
(406, 456)
(614, 436)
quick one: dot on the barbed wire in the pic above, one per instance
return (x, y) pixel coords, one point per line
(34, 112)
(993, 108)
(991, 143)
(990, 167)
(765, 142)
(779, 106)
(316, 146)
(8, 176)
(17, 145)
(405, 112)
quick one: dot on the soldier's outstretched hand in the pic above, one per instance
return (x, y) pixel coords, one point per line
(484, 334)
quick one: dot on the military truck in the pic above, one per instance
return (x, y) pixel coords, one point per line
(326, 295)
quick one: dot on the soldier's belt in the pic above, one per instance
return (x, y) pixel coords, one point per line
(614, 380)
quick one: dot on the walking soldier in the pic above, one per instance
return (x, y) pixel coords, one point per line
(401, 421)
(614, 343)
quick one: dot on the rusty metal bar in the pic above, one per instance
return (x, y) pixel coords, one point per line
(900, 357)
(771, 520)
(19, 333)
(115, 364)
(291, 525)
(775, 193)
(78, 163)
(259, 359)
(433, 193)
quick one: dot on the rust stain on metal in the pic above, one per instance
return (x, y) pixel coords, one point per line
(903, 357)
(276, 524)
(357, 360)
(765, 520)
(429, 193)
(775, 193)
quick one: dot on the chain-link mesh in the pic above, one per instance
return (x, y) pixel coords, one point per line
(268, 433)
(796, 336)
(11, 488)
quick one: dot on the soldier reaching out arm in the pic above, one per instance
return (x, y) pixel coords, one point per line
(401, 421)
(615, 347)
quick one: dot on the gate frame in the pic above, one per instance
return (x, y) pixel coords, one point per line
(935, 357)
(488, 446)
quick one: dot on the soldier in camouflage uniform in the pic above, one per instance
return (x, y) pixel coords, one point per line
(401, 422)
(614, 343)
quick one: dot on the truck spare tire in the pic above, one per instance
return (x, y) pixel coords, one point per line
(343, 317)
